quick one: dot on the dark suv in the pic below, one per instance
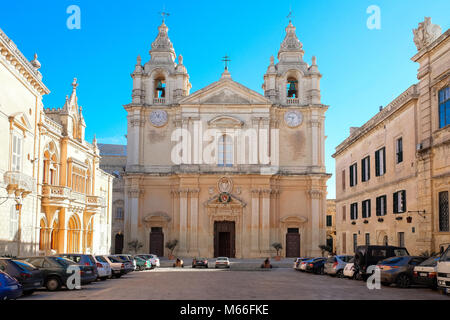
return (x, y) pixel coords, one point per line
(366, 256)
(81, 259)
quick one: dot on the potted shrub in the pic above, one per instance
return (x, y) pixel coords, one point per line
(277, 246)
(135, 245)
(325, 248)
(171, 246)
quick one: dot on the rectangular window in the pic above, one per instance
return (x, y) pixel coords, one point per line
(344, 213)
(355, 242)
(399, 150)
(343, 180)
(400, 202)
(17, 154)
(366, 209)
(401, 239)
(444, 225)
(444, 107)
(353, 175)
(380, 162)
(344, 242)
(381, 206)
(329, 221)
(354, 211)
(365, 169)
(119, 213)
(367, 239)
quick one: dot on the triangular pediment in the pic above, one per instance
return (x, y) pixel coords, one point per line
(226, 91)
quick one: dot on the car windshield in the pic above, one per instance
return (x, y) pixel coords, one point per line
(63, 261)
(400, 252)
(430, 262)
(446, 255)
(331, 259)
(346, 258)
(25, 265)
(100, 259)
(115, 259)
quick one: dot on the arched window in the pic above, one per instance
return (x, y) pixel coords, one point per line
(225, 154)
(160, 88)
(50, 173)
(292, 88)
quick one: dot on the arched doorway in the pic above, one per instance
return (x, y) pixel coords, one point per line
(292, 243)
(157, 241)
(118, 243)
(73, 235)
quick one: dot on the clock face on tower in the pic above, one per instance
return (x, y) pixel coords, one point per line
(293, 118)
(158, 118)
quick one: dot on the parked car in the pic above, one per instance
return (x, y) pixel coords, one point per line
(81, 259)
(103, 268)
(199, 262)
(316, 266)
(298, 261)
(222, 262)
(366, 256)
(334, 266)
(178, 263)
(154, 260)
(10, 288)
(142, 264)
(28, 276)
(130, 264)
(55, 271)
(349, 269)
(117, 265)
(426, 272)
(399, 270)
(443, 272)
(304, 263)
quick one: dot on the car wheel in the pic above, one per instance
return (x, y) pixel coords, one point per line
(193, 267)
(28, 292)
(52, 284)
(403, 281)
(340, 274)
(103, 278)
(386, 284)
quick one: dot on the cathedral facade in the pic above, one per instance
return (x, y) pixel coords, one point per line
(225, 170)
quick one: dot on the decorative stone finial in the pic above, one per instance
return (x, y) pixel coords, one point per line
(272, 60)
(35, 63)
(426, 33)
(180, 59)
(314, 60)
(138, 60)
(94, 141)
(74, 84)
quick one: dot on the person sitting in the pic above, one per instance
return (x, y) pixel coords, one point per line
(266, 264)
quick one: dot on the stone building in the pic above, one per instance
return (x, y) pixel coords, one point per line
(54, 197)
(226, 170)
(393, 173)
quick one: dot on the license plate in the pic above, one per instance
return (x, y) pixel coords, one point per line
(37, 283)
(423, 274)
(89, 272)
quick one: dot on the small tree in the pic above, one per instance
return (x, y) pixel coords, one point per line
(277, 246)
(325, 248)
(171, 245)
(135, 245)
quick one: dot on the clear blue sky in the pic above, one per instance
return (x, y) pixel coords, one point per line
(362, 69)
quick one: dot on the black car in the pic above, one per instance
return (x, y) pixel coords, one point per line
(28, 276)
(316, 266)
(366, 256)
(199, 262)
(55, 271)
(81, 259)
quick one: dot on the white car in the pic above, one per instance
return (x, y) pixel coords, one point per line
(349, 270)
(443, 272)
(103, 268)
(154, 260)
(117, 266)
(222, 262)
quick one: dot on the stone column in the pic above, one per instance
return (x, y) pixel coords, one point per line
(133, 214)
(314, 124)
(183, 221)
(255, 221)
(62, 232)
(193, 246)
(265, 221)
(315, 196)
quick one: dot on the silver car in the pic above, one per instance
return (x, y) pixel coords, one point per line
(335, 265)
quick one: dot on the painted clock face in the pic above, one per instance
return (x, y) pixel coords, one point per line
(293, 118)
(158, 118)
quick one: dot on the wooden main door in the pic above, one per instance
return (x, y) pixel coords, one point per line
(118, 244)
(224, 239)
(292, 243)
(157, 242)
